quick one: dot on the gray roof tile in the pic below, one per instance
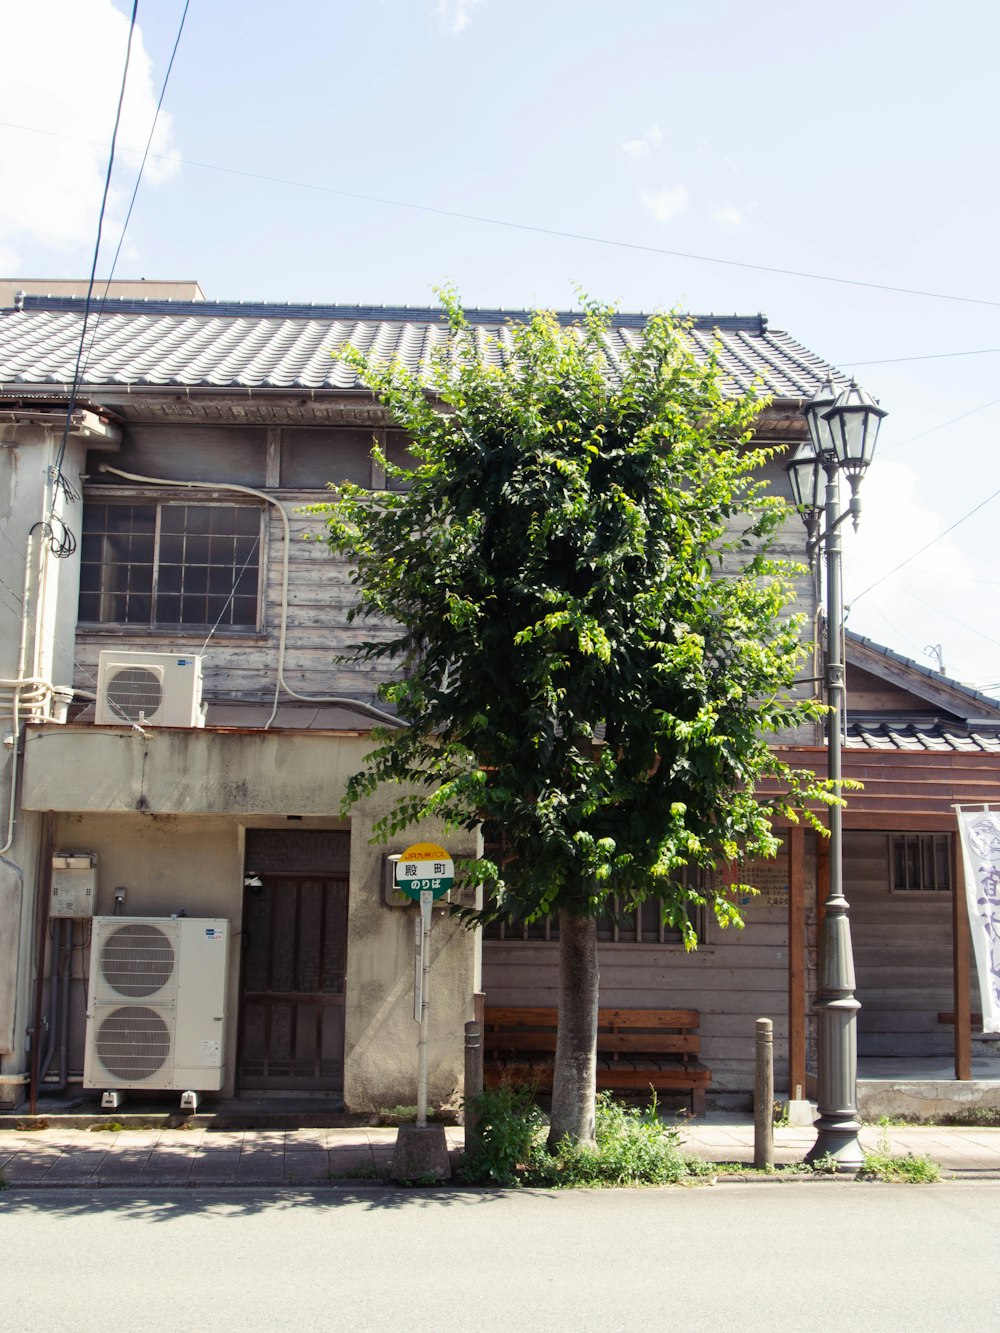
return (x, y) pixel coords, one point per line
(230, 344)
(922, 735)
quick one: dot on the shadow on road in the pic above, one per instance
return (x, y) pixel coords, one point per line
(162, 1205)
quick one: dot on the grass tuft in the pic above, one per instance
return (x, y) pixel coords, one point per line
(896, 1169)
(633, 1147)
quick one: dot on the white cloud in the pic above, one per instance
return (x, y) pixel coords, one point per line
(667, 203)
(62, 77)
(637, 149)
(454, 15)
(730, 215)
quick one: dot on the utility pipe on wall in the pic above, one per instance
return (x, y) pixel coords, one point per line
(281, 683)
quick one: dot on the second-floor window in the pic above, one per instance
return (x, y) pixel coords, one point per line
(166, 563)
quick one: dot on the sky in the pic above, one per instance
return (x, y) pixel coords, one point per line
(832, 167)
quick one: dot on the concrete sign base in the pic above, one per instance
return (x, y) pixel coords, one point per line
(421, 1155)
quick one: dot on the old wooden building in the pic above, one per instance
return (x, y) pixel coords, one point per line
(166, 517)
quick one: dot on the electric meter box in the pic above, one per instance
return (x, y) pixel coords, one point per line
(74, 884)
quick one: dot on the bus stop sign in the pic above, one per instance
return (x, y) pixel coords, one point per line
(425, 867)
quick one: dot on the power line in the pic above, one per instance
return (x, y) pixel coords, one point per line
(530, 227)
(947, 614)
(64, 546)
(940, 426)
(926, 356)
(138, 181)
(903, 563)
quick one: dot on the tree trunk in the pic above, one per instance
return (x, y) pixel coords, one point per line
(575, 1076)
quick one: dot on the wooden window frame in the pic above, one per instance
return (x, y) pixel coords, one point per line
(920, 863)
(160, 503)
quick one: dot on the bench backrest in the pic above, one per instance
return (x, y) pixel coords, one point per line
(639, 1031)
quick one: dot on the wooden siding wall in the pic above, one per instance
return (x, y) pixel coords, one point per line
(733, 978)
(238, 665)
(902, 954)
(242, 666)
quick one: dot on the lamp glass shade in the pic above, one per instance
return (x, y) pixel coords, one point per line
(854, 420)
(820, 432)
(805, 476)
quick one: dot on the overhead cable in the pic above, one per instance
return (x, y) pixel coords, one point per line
(535, 228)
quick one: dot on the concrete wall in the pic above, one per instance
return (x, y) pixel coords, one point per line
(381, 1034)
(47, 620)
(166, 816)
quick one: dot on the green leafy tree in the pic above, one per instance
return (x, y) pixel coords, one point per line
(591, 639)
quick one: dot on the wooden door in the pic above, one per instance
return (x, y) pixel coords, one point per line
(293, 970)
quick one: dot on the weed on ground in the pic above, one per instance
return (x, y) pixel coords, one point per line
(633, 1147)
(894, 1168)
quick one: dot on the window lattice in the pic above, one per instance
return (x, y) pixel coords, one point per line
(921, 862)
(170, 564)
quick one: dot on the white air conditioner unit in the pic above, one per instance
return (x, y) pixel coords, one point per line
(149, 689)
(157, 1005)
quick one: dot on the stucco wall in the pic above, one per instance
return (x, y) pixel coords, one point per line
(381, 1034)
(167, 813)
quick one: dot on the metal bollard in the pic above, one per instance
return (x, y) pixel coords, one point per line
(763, 1096)
(473, 1082)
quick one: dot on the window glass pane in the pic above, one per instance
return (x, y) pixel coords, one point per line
(244, 611)
(195, 579)
(141, 549)
(139, 609)
(171, 549)
(91, 545)
(192, 611)
(140, 578)
(220, 580)
(168, 609)
(90, 578)
(199, 549)
(172, 518)
(246, 521)
(199, 518)
(169, 581)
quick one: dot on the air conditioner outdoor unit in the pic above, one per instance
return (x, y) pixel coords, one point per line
(157, 1005)
(149, 689)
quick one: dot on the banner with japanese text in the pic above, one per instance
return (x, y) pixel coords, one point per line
(979, 827)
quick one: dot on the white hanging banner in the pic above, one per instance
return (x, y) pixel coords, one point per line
(979, 827)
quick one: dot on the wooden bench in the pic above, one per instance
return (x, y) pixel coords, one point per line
(637, 1049)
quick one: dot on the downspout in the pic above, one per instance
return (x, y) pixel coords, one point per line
(44, 880)
(281, 683)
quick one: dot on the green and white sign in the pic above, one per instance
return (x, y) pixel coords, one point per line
(425, 867)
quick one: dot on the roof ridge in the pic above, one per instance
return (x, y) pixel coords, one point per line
(755, 323)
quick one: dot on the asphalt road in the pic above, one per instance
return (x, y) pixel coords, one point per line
(761, 1256)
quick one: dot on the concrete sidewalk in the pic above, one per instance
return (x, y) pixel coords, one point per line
(203, 1156)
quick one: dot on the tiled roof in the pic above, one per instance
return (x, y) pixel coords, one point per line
(217, 344)
(924, 734)
(928, 673)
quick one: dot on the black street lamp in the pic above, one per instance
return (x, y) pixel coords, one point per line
(843, 428)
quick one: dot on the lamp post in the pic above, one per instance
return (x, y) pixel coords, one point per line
(842, 432)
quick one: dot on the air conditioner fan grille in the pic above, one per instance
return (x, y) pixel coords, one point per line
(135, 692)
(137, 960)
(132, 1043)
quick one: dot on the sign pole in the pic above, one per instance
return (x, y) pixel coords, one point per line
(423, 872)
(426, 902)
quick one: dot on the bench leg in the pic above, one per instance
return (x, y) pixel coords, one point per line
(698, 1101)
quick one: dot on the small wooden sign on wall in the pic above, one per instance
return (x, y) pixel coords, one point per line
(770, 878)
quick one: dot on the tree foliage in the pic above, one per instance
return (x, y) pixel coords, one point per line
(592, 641)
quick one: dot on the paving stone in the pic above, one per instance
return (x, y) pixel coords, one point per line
(262, 1168)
